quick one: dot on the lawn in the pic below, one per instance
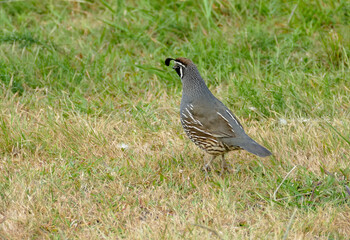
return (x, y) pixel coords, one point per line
(91, 144)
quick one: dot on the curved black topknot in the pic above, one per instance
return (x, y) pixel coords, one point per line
(167, 61)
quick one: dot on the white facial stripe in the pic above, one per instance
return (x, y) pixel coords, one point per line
(181, 72)
(180, 64)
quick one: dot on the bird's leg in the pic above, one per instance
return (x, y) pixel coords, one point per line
(207, 165)
(223, 164)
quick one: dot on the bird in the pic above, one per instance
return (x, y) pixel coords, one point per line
(207, 121)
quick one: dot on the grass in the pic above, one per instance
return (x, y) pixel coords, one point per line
(92, 147)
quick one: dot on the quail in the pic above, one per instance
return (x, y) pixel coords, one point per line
(206, 120)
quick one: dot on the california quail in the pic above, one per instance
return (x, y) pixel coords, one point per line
(206, 120)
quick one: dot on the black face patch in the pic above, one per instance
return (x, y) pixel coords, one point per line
(179, 71)
(179, 67)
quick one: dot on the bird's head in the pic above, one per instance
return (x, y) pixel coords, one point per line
(181, 65)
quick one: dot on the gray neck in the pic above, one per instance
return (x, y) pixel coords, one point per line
(193, 85)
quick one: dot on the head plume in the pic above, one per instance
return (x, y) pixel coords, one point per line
(181, 60)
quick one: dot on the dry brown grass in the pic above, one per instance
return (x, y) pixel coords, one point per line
(70, 175)
(91, 146)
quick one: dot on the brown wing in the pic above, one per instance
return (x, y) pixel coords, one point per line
(215, 124)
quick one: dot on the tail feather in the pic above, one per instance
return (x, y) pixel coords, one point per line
(255, 148)
(248, 144)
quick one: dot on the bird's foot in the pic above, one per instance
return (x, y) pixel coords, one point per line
(206, 169)
(226, 168)
(207, 166)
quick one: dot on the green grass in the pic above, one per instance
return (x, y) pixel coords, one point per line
(81, 79)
